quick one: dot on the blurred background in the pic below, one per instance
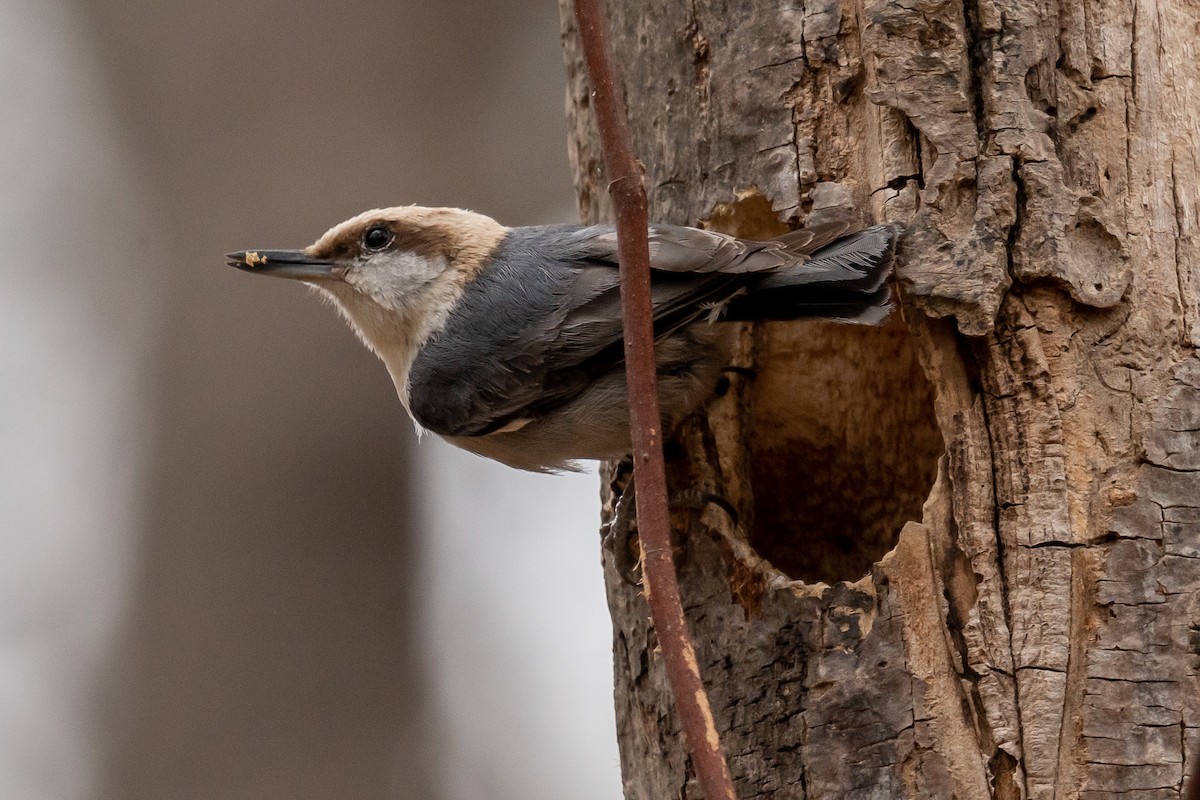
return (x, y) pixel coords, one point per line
(227, 570)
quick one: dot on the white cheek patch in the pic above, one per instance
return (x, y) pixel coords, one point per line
(409, 296)
(397, 281)
(396, 301)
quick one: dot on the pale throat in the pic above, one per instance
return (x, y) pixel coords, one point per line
(396, 333)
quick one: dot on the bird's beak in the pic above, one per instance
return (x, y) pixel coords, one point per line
(295, 264)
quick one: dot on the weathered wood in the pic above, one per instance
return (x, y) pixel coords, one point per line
(1034, 417)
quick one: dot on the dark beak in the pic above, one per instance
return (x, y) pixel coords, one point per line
(295, 264)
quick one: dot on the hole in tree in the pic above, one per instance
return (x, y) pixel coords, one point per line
(843, 445)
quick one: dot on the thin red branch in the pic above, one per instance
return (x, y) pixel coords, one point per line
(658, 568)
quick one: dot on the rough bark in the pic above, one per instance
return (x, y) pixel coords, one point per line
(964, 559)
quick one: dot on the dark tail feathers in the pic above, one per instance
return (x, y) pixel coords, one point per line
(845, 280)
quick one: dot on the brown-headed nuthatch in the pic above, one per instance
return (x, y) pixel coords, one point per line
(507, 341)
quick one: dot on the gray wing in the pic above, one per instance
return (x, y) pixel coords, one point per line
(543, 318)
(675, 248)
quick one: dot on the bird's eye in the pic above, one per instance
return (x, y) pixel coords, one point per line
(377, 237)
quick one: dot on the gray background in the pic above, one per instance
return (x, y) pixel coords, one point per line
(226, 568)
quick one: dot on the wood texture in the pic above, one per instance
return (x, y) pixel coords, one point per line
(659, 580)
(964, 559)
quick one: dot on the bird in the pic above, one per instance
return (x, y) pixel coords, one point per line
(507, 341)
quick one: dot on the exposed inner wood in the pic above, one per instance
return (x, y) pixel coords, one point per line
(842, 446)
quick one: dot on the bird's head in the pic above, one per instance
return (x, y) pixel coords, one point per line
(395, 272)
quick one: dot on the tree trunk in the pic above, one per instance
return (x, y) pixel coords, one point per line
(1036, 405)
